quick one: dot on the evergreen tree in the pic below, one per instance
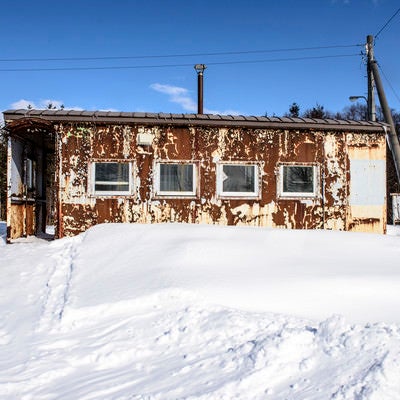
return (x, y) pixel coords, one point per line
(317, 112)
(294, 110)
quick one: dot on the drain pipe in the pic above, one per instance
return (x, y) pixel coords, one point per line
(200, 69)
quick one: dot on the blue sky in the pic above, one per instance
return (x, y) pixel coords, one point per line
(250, 83)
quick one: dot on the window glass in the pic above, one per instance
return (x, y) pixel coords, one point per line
(238, 178)
(176, 178)
(111, 177)
(298, 179)
(30, 173)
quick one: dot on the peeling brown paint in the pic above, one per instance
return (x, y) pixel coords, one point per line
(78, 145)
(22, 221)
(207, 146)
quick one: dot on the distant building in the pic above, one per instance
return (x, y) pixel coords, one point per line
(80, 168)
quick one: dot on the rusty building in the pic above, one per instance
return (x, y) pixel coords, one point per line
(75, 169)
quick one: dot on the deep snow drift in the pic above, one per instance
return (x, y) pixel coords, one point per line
(200, 312)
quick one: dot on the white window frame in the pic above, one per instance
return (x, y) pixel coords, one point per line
(95, 192)
(313, 194)
(220, 179)
(165, 193)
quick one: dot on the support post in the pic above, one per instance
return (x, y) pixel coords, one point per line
(9, 180)
(392, 136)
(371, 94)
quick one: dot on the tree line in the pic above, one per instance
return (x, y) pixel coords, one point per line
(357, 112)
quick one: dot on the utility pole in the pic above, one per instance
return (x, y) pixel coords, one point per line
(371, 95)
(393, 140)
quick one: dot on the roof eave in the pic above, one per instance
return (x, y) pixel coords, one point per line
(141, 118)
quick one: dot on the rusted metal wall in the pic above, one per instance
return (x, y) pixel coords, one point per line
(331, 152)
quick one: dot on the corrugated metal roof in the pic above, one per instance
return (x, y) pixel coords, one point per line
(191, 119)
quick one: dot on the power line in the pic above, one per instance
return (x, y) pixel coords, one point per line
(175, 65)
(387, 23)
(176, 55)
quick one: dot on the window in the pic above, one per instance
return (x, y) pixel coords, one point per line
(173, 179)
(298, 180)
(112, 178)
(237, 180)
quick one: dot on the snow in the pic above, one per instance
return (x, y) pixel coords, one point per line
(175, 311)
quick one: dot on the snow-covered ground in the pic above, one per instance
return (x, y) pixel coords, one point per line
(200, 312)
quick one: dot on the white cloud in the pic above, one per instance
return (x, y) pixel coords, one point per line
(76, 108)
(177, 95)
(225, 112)
(182, 97)
(54, 103)
(22, 104)
(42, 104)
(107, 109)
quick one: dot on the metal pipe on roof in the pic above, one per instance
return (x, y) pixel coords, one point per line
(200, 69)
